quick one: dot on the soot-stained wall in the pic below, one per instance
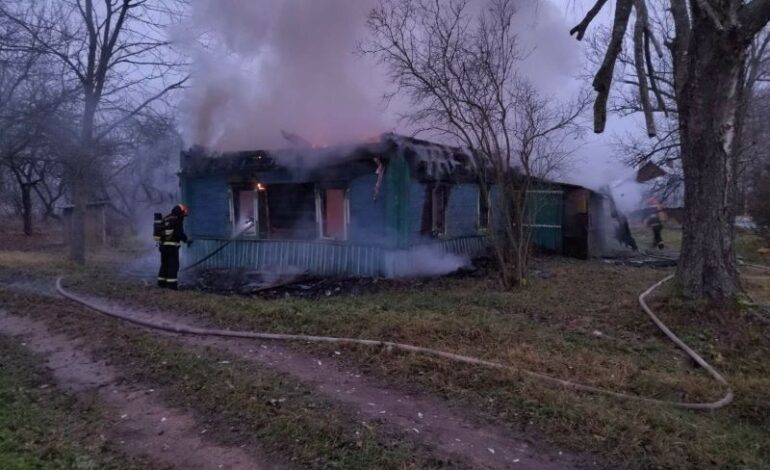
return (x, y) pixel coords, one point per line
(367, 215)
(207, 197)
(461, 211)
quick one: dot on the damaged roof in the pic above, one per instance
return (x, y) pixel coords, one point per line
(427, 160)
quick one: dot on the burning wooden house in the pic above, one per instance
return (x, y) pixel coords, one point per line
(389, 207)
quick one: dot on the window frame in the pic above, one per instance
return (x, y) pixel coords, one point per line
(443, 190)
(234, 195)
(319, 198)
(483, 227)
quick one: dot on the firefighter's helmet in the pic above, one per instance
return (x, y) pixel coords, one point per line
(183, 209)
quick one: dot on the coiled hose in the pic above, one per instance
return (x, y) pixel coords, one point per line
(190, 330)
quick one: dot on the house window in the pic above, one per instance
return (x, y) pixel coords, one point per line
(279, 211)
(290, 211)
(483, 209)
(332, 213)
(246, 213)
(242, 209)
(434, 210)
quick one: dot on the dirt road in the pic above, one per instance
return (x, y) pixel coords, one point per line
(436, 432)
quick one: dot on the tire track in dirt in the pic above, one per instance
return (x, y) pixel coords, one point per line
(430, 421)
(140, 423)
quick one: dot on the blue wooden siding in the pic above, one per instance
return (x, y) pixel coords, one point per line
(461, 214)
(415, 201)
(209, 204)
(462, 211)
(545, 213)
(396, 186)
(322, 257)
(316, 257)
(367, 216)
(382, 233)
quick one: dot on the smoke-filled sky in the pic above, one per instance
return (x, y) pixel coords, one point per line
(278, 65)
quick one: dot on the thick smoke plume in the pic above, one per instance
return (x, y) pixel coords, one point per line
(274, 65)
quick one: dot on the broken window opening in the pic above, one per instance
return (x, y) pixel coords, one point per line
(434, 210)
(333, 208)
(290, 211)
(483, 209)
(243, 209)
(278, 211)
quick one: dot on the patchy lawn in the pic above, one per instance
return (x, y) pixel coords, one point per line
(671, 234)
(749, 244)
(241, 404)
(578, 320)
(40, 427)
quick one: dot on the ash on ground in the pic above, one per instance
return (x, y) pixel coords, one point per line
(644, 259)
(292, 283)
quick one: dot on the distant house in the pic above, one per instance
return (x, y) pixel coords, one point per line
(362, 210)
(95, 224)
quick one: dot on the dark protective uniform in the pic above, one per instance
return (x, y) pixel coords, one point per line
(171, 239)
(656, 225)
(655, 222)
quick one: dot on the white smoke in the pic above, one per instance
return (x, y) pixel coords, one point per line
(423, 261)
(273, 66)
(270, 66)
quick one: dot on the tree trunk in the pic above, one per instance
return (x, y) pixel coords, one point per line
(26, 208)
(709, 106)
(79, 168)
(77, 234)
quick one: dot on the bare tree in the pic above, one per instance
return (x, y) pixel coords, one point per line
(118, 55)
(460, 72)
(143, 176)
(664, 147)
(756, 165)
(709, 50)
(30, 94)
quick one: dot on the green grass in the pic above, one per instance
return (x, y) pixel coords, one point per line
(671, 234)
(547, 327)
(551, 327)
(272, 410)
(747, 245)
(240, 403)
(43, 429)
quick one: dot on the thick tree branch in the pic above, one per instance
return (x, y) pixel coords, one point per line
(581, 28)
(705, 5)
(603, 79)
(639, 62)
(680, 44)
(754, 16)
(142, 106)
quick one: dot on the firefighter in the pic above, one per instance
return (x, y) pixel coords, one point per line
(171, 238)
(655, 221)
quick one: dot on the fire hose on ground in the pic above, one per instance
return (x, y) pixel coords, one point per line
(190, 330)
